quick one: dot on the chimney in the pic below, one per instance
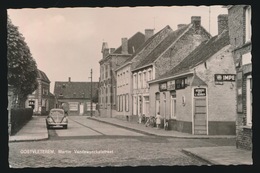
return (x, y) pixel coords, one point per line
(105, 52)
(148, 33)
(222, 23)
(112, 50)
(124, 46)
(180, 26)
(69, 79)
(196, 21)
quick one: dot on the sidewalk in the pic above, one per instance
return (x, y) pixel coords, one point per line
(134, 126)
(34, 130)
(222, 155)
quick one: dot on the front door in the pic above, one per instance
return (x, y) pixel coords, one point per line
(81, 109)
(200, 116)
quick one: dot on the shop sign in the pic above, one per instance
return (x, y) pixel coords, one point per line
(200, 92)
(225, 77)
(31, 102)
(171, 85)
(180, 83)
(163, 86)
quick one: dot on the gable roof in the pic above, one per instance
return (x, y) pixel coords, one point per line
(75, 89)
(203, 52)
(42, 76)
(160, 48)
(197, 81)
(144, 45)
(134, 42)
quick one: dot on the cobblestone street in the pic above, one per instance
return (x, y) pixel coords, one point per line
(106, 148)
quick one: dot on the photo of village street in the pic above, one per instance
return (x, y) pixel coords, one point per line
(129, 86)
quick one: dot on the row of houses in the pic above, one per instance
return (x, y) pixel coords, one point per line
(200, 84)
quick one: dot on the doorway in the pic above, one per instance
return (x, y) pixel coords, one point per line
(200, 116)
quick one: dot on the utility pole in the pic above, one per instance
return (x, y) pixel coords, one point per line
(91, 93)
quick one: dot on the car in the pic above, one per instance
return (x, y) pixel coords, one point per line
(57, 118)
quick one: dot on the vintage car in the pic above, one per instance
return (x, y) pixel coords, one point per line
(57, 118)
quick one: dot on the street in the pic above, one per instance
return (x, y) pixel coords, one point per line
(90, 143)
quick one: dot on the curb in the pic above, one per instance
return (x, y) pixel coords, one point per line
(28, 140)
(128, 128)
(171, 136)
(190, 154)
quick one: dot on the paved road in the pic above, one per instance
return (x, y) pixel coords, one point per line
(90, 143)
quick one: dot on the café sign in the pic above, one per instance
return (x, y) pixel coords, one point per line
(200, 92)
(163, 86)
(225, 77)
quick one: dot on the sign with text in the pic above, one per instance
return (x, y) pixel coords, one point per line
(171, 85)
(180, 83)
(225, 77)
(200, 92)
(163, 86)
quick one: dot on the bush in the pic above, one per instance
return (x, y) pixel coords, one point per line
(19, 117)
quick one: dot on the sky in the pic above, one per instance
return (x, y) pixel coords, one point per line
(66, 42)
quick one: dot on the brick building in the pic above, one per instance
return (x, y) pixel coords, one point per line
(169, 52)
(198, 95)
(240, 39)
(125, 98)
(113, 58)
(41, 99)
(77, 95)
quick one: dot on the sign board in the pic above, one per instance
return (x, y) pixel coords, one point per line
(180, 83)
(31, 102)
(163, 86)
(171, 85)
(200, 92)
(225, 77)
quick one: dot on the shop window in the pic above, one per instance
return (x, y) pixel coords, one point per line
(249, 101)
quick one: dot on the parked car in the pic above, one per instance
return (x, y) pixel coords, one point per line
(57, 118)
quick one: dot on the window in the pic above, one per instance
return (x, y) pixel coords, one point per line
(127, 77)
(127, 102)
(157, 102)
(248, 23)
(114, 95)
(121, 103)
(173, 105)
(249, 100)
(149, 75)
(144, 79)
(118, 103)
(135, 81)
(140, 80)
(134, 105)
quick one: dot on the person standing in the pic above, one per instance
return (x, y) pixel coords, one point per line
(158, 120)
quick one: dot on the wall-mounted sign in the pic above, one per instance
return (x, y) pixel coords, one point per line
(200, 92)
(31, 102)
(171, 85)
(225, 77)
(163, 86)
(180, 83)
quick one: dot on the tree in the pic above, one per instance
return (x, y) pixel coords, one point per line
(22, 68)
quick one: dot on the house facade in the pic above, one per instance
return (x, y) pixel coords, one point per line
(112, 59)
(240, 39)
(125, 85)
(197, 96)
(77, 95)
(41, 99)
(169, 52)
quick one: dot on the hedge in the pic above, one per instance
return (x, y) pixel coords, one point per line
(19, 117)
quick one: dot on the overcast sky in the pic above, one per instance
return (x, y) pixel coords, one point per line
(66, 42)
